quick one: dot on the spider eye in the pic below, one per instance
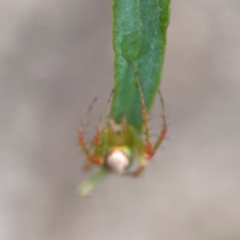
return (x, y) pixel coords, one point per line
(118, 132)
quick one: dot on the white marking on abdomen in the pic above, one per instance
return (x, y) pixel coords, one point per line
(117, 161)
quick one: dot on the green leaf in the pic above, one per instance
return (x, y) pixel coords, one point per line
(139, 36)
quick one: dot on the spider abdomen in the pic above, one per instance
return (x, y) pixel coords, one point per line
(118, 159)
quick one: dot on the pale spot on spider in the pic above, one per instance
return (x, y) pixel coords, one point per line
(117, 161)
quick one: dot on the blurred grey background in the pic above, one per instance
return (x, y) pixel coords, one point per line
(55, 57)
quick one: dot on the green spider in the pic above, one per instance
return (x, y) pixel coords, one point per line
(118, 144)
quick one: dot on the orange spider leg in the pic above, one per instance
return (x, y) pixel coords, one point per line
(91, 158)
(164, 128)
(149, 149)
(148, 146)
(100, 126)
(97, 138)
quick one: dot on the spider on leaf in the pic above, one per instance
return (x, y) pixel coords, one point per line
(119, 143)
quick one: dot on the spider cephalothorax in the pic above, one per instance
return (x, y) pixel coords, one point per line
(119, 143)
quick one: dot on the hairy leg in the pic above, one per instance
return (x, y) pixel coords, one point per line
(150, 150)
(91, 158)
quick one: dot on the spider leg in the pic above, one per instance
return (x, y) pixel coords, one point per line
(149, 149)
(140, 169)
(164, 128)
(144, 109)
(91, 158)
(97, 139)
(148, 145)
(100, 126)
